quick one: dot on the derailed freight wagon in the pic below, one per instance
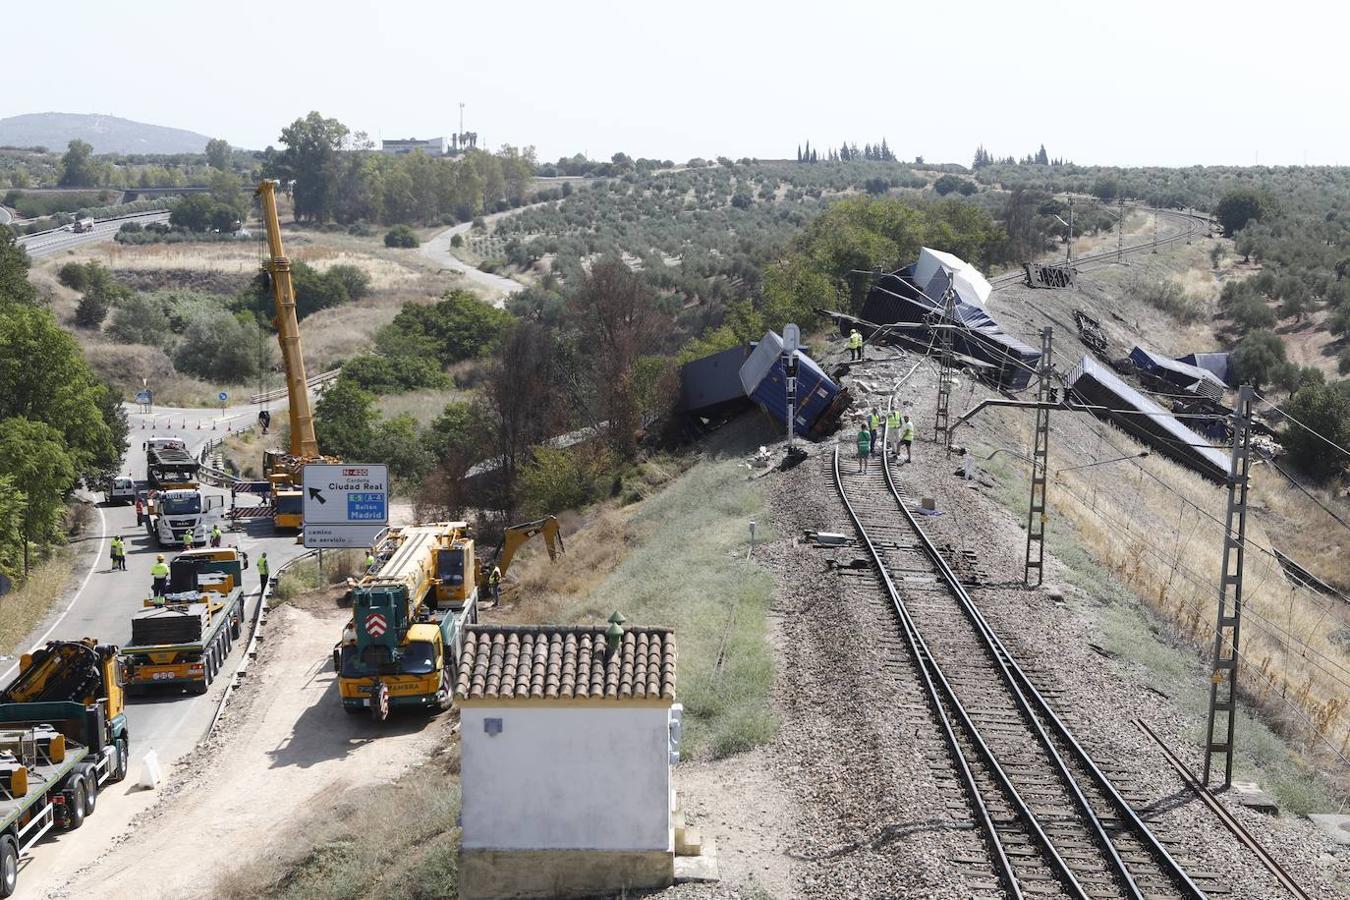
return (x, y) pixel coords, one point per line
(710, 387)
(1145, 420)
(905, 305)
(820, 401)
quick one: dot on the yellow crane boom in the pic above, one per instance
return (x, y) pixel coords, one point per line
(304, 444)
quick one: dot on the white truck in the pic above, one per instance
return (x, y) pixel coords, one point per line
(173, 513)
(83, 225)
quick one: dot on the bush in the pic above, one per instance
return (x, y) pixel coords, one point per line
(355, 280)
(399, 445)
(457, 240)
(1257, 358)
(74, 275)
(1325, 408)
(393, 375)
(557, 479)
(201, 212)
(401, 236)
(1169, 297)
(218, 346)
(140, 320)
(459, 327)
(948, 183)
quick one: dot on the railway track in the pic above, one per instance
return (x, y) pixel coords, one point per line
(1190, 225)
(1053, 823)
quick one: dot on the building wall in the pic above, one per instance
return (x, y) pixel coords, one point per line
(566, 777)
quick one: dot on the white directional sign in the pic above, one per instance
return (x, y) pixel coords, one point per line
(345, 505)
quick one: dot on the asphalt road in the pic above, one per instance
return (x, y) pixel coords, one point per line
(101, 606)
(57, 241)
(438, 249)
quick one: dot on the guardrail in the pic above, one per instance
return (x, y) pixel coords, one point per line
(312, 381)
(255, 635)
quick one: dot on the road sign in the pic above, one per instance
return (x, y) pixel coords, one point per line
(339, 536)
(376, 626)
(223, 396)
(345, 505)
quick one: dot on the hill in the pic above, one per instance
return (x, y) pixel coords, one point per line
(107, 134)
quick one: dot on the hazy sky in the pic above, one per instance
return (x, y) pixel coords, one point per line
(1172, 83)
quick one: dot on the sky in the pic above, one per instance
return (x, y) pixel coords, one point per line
(1143, 83)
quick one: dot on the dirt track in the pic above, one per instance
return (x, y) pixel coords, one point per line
(285, 749)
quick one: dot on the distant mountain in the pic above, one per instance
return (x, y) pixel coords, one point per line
(108, 134)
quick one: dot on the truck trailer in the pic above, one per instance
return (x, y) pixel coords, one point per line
(63, 735)
(181, 640)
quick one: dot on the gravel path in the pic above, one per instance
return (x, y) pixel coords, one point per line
(438, 250)
(855, 797)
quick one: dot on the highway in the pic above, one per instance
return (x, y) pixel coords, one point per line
(100, 606)
(50, 242)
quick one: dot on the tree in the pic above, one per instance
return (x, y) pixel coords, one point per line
(1042, 158)
(44, 378)
(218, 154)
(402, 236)
(14, 262)
(310, 160)
(34, 455)
(1106, 188)
(522, 395)
(619, 319)
(458, 327)
(947, 183)
(344, 421)
(218, 345)
(140, 320)
(1325, 408)
(1238, 208)
(13, 501)
(77, 165)
(1257, 357)
(459, 438)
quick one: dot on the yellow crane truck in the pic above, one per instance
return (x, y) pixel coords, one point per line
(409, 612)
(181, 640)
(408, 617)
(63, 735)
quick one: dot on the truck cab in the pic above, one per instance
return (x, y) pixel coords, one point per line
(173, 513)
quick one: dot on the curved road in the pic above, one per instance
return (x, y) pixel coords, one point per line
(101, 605)
(438, 250)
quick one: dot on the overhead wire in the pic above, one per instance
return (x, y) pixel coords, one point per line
(1313, 431)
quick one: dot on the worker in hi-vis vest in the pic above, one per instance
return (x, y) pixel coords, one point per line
(893, 429)
(159, 576)
(855, 345)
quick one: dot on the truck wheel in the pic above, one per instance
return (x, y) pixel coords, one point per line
(90, 790)
(76, 800)
(448, 689)
(9, 866)
(119, 770)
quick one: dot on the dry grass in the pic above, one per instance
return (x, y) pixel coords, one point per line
(305, 577)
(537, 588)
(23, 608)
(389, 840)
(424, 406)
(1168, 551)
(243, 451)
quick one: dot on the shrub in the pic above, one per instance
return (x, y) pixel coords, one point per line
(401, 236)
(355, 280)
(74, 276)
(458, 327)
(1325, 409)
(1169, 297)
(140, 320)
(218, 345)
(556, 479)
(393, 375)
(948, 183)
(1257, 357)
(457, 240)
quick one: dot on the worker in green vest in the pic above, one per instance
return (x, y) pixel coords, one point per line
(159, 576)
(893, 429)
(215, 535)
(189, 539)
(370, 561)
(855, 345)
(907, 438)
(262, 573)
(119, 555)
(495, 583)
(864, 446)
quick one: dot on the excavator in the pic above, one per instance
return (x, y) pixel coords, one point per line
(409, 612)
(285, 470)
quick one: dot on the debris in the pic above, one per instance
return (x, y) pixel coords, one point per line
(827, 538)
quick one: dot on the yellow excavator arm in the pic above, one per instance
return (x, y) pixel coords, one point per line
(516, 536)
(304, 444)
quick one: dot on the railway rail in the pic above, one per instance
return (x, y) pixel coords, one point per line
(1054, 824)
(1191, 225)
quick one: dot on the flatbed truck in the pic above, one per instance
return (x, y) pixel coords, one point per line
(181, 640)
(63, 736)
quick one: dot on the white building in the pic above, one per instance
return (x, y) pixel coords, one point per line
(568, 734)
(437, 146)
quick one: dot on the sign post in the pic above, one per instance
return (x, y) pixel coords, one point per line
(345, 505)
(222, 397)
(792, 340)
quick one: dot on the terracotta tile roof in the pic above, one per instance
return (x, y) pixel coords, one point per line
(565, 662)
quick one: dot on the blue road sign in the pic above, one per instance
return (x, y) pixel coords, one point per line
(223, 396)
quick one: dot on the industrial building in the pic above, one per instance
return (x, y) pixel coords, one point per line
(437, 146)
(568, 735)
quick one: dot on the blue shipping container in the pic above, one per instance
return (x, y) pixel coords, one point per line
(819, 400)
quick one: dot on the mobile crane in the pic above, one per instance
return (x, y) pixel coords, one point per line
(408, 618)
(63, 735)
(285, 470)
(409, 612)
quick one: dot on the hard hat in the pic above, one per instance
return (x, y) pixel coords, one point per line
(159, 557)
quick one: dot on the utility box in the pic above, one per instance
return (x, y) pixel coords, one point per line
(568, 736)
